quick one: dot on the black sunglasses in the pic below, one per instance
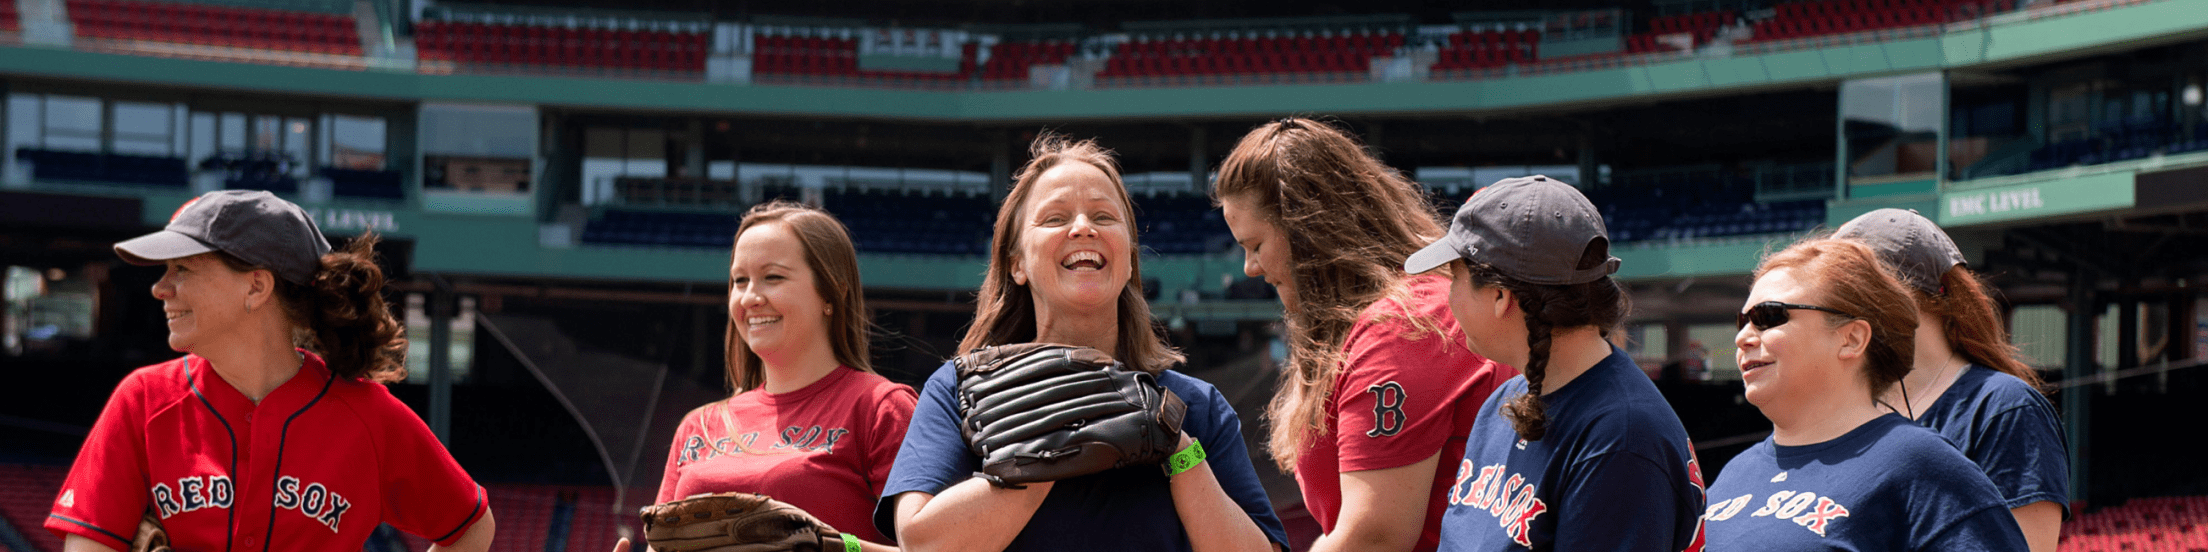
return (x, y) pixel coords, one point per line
(1771, 314)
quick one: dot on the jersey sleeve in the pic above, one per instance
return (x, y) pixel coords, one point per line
(933, 455)
(425, 492)
(1220, 433)
(1622, 501)
(891, 414)
(1395, 402)
(105, 492)
(1989, 530)
(2022, 450)
(689, 444)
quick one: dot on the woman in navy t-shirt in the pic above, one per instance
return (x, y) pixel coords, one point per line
(1580, 453)
(1967, 384)
(1824, 333)
(1061, 270)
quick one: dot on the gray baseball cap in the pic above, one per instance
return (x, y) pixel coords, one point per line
(1915, 248)
(254, 226)
(1531, 228)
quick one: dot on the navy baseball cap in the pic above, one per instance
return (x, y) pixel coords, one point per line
(1912, 246)
(1530, 228)
(254, 226)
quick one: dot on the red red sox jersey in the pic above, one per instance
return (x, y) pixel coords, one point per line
(826, 448)
(1402, 394)
(317, 465)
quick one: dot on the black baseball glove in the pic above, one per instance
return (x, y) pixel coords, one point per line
(1046, 412)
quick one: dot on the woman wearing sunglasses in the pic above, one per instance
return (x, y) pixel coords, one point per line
(1967, 384)
(1826, 331)
(1581, 452)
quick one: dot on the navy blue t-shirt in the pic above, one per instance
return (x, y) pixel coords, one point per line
(2010, 431)
(1888, 484)
(1124, 509)
(1614, 472)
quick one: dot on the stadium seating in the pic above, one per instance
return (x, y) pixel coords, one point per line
(1702, 27)
(903, 221)
(106, 168)
(26, 494)
(10, 20)
(215, 26)
(1487, 49)
(596, 526)
(1687, 206)
(811, 56)
(1825, 17)
(1010, 60)
(562, 46)
(1349, 52)
(2119, 140)
(364, 183)
(1181, 224)
(2141, 525)
(664, 228)
(523, 514)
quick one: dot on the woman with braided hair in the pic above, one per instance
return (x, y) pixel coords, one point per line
(1581, 452)
(1380, 389)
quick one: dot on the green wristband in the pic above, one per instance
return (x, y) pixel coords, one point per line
(1186, 459)
(850, 543)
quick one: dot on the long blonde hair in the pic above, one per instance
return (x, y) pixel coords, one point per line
(1006, 310)
(1350, 220)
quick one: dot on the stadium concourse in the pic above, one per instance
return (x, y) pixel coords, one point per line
(558, 182)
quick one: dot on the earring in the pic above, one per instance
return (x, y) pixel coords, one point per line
(828, 311)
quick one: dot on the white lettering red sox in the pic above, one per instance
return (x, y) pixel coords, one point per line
(314, 501)
(1514, 502)
(192, 493)
(1804, 508)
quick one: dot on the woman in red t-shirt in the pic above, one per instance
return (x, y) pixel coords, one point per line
(811, 424)
(1380, 388)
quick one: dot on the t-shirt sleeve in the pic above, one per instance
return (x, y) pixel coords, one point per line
(1229, 456)
(426, 493)
(105, 492)
(2022, 450)
(1989, 530)
(670, 481)
(1621, 501)
(890, 416)
(933, 455)
(1395, 401)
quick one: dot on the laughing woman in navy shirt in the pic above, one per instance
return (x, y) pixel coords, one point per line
(1062, 270)
(1825, 332)
(1967, 384)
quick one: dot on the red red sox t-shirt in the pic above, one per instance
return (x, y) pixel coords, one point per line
(1404, 394)
(316, 465)
(825, 448)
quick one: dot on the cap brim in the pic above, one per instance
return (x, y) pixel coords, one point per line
(151, 249)
(1436, 254)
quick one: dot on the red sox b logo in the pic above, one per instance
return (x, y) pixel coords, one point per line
(1387, 409)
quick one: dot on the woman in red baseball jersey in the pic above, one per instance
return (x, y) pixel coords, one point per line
(273, 432)
(810, 423)
(1380, 388)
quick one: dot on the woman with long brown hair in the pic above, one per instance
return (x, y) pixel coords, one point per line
(1379, 389)
(1967, 382)
(1825, 332)
(274, 430)
(1062, 270)
(810, 423)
